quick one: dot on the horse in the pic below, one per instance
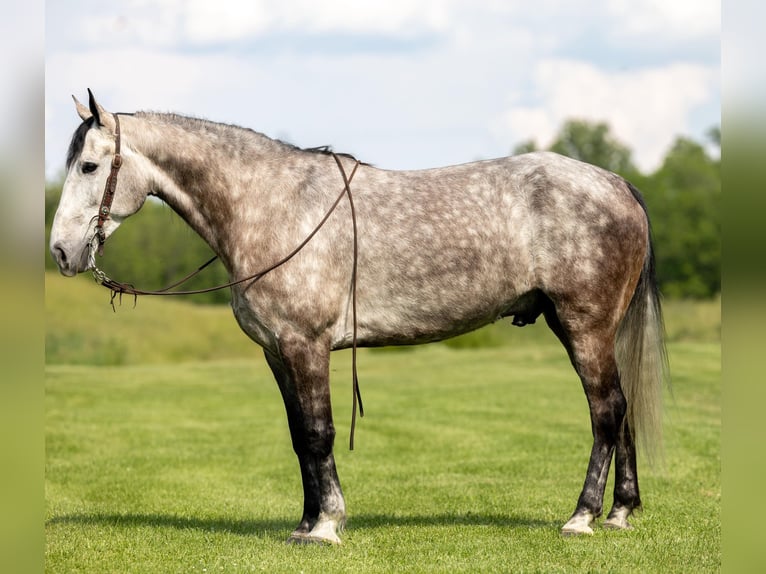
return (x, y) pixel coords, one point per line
(441, 252)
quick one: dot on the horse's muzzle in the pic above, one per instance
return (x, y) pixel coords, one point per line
(69, 265)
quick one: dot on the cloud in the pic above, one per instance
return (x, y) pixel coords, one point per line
(677, 19)
(404, 84)
(125, 80)
(646, 108)
(183, 24)
(203, 24)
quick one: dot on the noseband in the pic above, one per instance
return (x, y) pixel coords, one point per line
(109, 188)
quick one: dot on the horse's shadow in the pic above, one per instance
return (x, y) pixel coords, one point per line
(374, 521)
(278, 529)
(258, 528)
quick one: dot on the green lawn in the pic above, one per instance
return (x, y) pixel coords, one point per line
(467, 460)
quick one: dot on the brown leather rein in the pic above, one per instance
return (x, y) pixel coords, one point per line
(118, 289)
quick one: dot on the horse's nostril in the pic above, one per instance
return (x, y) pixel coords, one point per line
(59, 254)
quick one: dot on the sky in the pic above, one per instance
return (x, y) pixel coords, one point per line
(401, 84)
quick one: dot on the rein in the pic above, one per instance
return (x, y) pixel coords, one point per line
(118, 289)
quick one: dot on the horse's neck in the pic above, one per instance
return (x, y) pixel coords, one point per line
(212, 185)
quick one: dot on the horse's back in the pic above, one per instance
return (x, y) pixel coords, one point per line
(447, 250)
(441, 250)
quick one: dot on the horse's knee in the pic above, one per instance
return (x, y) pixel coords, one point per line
(315, 438)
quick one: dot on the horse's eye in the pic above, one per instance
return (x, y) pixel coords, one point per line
(89, 167)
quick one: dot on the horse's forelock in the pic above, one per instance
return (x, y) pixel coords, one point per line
(78, 141)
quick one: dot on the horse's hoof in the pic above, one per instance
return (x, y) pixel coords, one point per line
(615, 524)
(305, 540)
(326, 531)
(578, 525)
(323, 533)
(618, 519)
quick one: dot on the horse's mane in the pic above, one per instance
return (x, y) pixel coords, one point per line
(195, 123)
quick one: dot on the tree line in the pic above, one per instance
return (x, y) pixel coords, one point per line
(683, 197)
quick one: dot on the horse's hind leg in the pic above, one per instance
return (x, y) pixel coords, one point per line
(592, 353)
(626, 493)
(302, 370)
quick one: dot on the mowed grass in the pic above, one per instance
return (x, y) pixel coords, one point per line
(467, 460)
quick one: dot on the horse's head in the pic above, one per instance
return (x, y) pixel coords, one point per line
(89, 163)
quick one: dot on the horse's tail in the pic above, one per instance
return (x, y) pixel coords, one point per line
(642, 356)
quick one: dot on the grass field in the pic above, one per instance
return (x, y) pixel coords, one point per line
(175, 456)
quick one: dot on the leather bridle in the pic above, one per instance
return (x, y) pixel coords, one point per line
(109, 188)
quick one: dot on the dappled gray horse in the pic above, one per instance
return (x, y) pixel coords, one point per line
(440, 252)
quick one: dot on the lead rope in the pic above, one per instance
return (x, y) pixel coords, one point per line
(118, 289)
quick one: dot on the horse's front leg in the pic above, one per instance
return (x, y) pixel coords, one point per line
(302, 370)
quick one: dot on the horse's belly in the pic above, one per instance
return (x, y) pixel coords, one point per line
(434, 292)
(421, 330)
(422, 315)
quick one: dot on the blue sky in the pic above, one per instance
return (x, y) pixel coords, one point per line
(402, 84)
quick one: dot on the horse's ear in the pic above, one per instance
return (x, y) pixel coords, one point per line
(82, 111)
(95, 108)
(102, 117)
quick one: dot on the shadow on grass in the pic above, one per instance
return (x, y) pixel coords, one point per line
(371, 521)
(279, 529)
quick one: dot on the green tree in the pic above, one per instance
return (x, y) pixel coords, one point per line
(714, 134)
(593, 143)
(525, 147)
(685, 196)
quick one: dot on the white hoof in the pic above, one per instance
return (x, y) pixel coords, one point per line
(618, 520)
(577, 525)
(324, 532)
